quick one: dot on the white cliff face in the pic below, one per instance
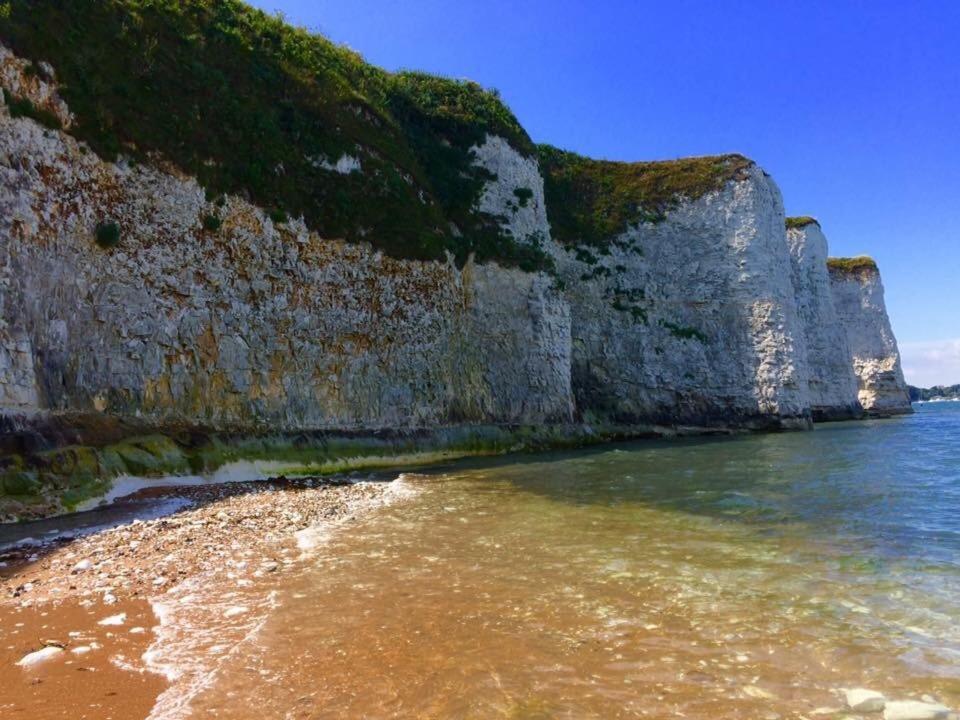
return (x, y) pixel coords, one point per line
(833, 385)
(688, 320)
(251, 325)
(858, 296)
(692, 319)
(703, 318)
(516, 195)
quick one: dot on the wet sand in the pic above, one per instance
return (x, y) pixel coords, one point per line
(98, 675)
(95, 598)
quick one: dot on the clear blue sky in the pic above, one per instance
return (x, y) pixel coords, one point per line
(853, 107)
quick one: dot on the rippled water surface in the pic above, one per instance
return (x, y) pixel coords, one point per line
(746, 577)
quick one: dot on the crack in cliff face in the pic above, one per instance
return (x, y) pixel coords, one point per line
(712, 314)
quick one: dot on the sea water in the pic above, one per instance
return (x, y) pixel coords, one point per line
(746, 577)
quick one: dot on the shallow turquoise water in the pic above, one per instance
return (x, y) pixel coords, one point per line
(703, 578)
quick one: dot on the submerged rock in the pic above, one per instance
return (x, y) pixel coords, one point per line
(915, 710)
(862, 700)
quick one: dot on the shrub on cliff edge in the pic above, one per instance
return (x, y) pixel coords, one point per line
(859, 264)
(107, 235)
(211, 223)
(796, 223)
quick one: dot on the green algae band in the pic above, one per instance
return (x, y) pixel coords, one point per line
(60, 480)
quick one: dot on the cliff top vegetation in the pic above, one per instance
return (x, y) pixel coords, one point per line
(801, 221)
(591, 202)
(253, 106)
(859, 264)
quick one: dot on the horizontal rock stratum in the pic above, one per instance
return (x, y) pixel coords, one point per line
(250, 232)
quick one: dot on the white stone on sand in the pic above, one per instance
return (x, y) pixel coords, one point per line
(40, 656)
(119, 619)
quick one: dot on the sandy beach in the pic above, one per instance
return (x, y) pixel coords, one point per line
(87, 624)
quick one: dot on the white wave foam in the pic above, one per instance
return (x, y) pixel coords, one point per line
(200, 625)
(196, 635)
(312, 537)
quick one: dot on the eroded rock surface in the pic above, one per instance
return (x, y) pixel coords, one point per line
(858, 297)
(833, 388)
(211, 312)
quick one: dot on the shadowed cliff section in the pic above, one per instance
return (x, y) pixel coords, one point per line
(832, 383)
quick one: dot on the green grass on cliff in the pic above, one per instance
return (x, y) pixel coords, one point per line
(796, 223)
(858, 264)
(255, 107)
(21, 107)
(592, 201)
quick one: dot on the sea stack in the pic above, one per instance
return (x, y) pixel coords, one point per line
(858, 297)
(833, 384)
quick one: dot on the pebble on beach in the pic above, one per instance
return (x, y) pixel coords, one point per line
(146, 557)
(35, 658)
(119, 619)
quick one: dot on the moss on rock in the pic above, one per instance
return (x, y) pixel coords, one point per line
(153, 455)
(70, 461)
(20, 482)
(78, 493)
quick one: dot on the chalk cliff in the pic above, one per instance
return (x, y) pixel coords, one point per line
(428, 273)
(832, 383)
(691, 319)
(858, 296)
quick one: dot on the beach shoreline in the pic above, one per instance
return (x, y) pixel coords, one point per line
(126, 621)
